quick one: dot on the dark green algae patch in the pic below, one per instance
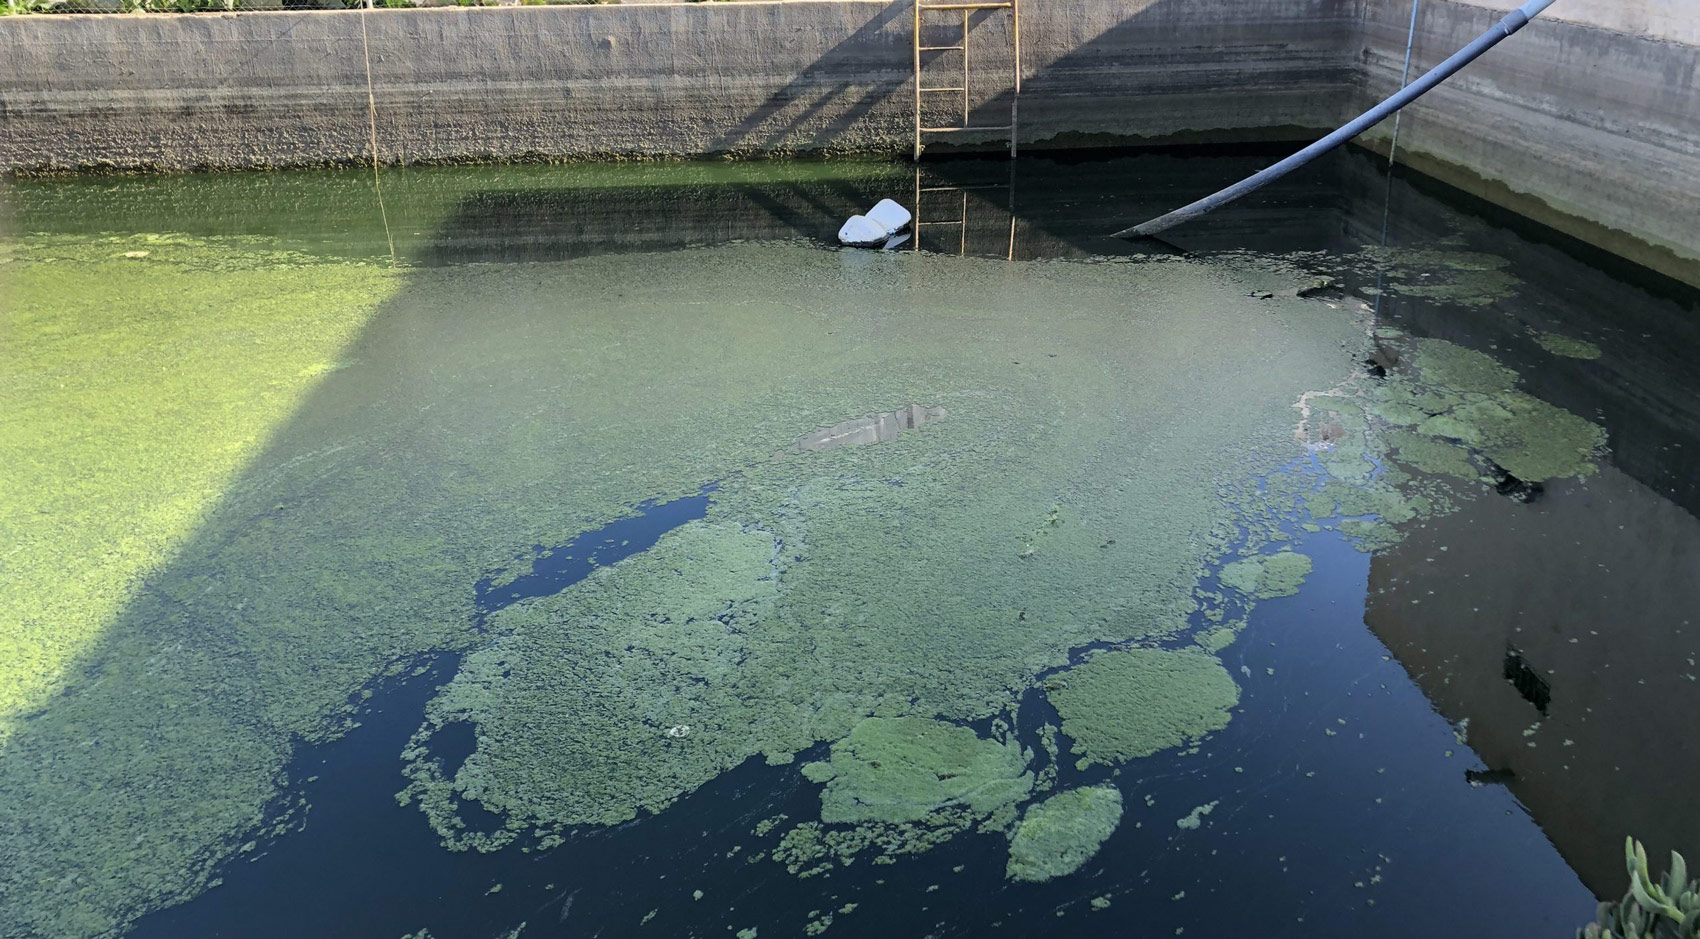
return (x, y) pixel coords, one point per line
(332, 536)
(1126, 704)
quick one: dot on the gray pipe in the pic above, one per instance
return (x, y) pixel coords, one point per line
(1513, 21)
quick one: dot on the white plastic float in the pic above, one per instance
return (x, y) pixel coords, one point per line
(873, 230)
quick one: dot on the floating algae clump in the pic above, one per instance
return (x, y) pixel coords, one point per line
(297, 470)
(138, 734)
(1449, 413)
(901, 769)
(610, 668)
(810, 848)
(1060, 834)
(1123, 705)
(1195, 819)
(133, 392)
(1567, 347)
(1453, 275)
(1529, 438)
(1464, 397)
(1269, 576)
(1432, 454)
(1453, 369)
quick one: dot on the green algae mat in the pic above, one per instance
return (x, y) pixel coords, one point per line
(241, 482)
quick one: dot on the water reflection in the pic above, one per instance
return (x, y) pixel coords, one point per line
(877, 428)
(1594, 590)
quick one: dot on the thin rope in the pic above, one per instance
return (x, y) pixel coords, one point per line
(372, 124)
(1404, 79)
(1392, 153)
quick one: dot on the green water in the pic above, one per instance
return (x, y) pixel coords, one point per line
(261, 441)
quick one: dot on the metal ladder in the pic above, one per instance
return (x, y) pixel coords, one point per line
(961, 205)
(967, 10)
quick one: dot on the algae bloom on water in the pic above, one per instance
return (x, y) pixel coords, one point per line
(291, 471)
(1567, 347)
(1062, 833)
(1277, 575)
(1193, 820)
(1124, 705)
(755, 627)
(902, 769)
(1473, 399)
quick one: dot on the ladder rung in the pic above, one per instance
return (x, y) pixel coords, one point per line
(966, 6)
(947, 221)
(939, 48)
(928, 90)
(962, 188)
(946, 130)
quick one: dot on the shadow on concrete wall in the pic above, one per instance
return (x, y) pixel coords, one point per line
(824, 87)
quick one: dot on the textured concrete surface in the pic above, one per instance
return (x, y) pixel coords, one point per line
(287, 88)
(1677, 20)
(1593, 131)
(1589, 121)
(290, 88)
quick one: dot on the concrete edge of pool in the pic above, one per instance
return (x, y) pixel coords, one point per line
(1585, 121)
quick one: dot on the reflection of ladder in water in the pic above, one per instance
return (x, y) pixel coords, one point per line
(967, 10)
(961, 219)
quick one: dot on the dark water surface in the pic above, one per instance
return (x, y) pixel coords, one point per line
(1380, 775)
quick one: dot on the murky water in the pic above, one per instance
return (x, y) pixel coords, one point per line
(595, 551)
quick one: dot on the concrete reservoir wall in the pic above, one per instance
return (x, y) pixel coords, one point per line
(1589, 120)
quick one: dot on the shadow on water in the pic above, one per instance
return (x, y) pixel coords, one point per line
(353, 866)
(1372, 828)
